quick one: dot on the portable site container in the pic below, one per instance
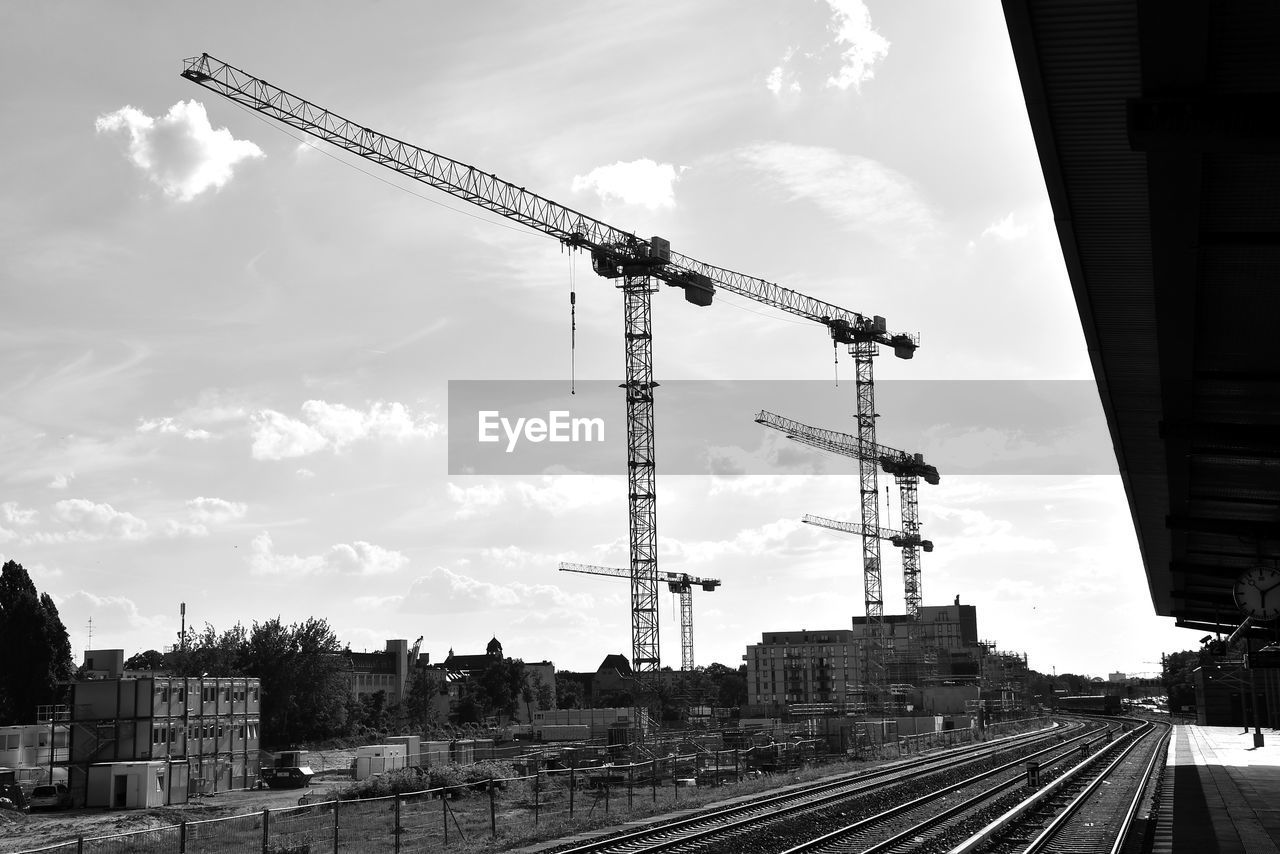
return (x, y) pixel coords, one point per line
(412, 749)
(378, 759)
(435, 752)
(462, 751)
(136, 785)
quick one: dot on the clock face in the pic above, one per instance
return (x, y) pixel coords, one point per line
(1257, 593)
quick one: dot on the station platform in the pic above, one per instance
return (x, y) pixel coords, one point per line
(1219, 793)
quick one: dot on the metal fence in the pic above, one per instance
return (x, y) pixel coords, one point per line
(551, 796)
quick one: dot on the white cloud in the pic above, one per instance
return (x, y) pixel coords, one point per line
(442, 591)
(180, 152)
(216, 510)
(640, 182)
(277, 436)
(782, 77)
(554, 495)
(87, 520)
(12, 514)
(862, 46)
(62, 480)
(1007, 229)
(847, 61)
(171, 426)
(767, 538)
(333, 426)
(111, 615)
(865, 195)
(354, 559)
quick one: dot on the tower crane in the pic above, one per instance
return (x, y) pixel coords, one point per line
(636, 265)
(678, 582)
(907, 470)
(900, 539)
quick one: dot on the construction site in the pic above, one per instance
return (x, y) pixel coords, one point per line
(890, 665)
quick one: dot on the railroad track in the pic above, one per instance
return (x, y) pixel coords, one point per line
(1089, 809)
(772, 823)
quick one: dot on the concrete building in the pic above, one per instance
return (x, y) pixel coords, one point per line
(202, 730)
(388, 671)
(817, 671)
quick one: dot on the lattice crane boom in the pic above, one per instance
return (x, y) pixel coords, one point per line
(678, 582)
(615, 254)
(900, 539)
(907, 469)
(571, 227)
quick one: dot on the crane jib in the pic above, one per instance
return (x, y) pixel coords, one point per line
(613, 251)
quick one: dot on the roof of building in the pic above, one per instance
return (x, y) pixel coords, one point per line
(1160, 148)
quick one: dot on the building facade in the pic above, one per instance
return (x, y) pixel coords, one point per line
(205, 731)
(820, 671)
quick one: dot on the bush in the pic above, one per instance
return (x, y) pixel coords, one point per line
(406, 780)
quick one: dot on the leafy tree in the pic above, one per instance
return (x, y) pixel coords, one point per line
(305, 684)
(152, 659)
(729, 686)
(570, 692)
(1178, 676)
(209, 652)
(36, 649)
(499, 687)
(420, 708)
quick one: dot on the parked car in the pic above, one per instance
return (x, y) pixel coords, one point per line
(287, 778)
(51, 796)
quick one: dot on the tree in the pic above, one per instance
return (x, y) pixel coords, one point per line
(209, 652)
(152, 659)
(729, 686)
(36, 649)
(1178, 676)
(569, 692)
(420, 702)
(305, 683)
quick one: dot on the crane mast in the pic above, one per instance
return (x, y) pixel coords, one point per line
(615, 254)
(907, 469)
(677, 582)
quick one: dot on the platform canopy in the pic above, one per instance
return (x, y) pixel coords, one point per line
(1158, 128)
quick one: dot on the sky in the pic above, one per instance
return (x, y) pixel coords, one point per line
(229, 352)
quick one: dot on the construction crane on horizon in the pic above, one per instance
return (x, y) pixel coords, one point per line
(678, 582)
(900, 539)
(907, 469)
(617, 255)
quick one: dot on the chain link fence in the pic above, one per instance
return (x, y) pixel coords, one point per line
(552, 795)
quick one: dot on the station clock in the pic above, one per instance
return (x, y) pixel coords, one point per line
(1257, 593)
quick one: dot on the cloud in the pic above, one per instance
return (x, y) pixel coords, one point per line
(12, 514)
(862, 46)
(865, 195)
(61, 480)
(203, 513)
(768, 538)
(1007, 229)
(171, 426)
(442, 591)
(179, 152)
(87, 520)
(554, 495)
(847, 61)
(354, 559)
(333, 426)
(111, 614)
(640, 182)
